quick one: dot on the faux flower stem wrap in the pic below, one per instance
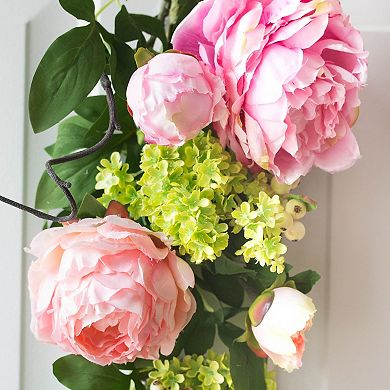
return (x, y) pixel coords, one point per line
(65, 185)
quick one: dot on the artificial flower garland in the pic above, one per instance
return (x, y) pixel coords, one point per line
(184, 214)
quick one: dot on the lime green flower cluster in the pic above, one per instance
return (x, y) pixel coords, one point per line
(262, 219)
(210, 372)
(186, 192)
(117, 183)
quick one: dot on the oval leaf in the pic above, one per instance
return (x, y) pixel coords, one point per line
(66, 75)
(126, 28)
(81, 9)
(246, 368)
(122, 65)
(92, 108)
(152, 26)
(77, 373)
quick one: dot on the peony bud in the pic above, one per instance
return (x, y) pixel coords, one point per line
(173, 97)
(280, 331)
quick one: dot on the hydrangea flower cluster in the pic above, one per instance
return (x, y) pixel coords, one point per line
(187, 192)
(209, 372)
(193, 192)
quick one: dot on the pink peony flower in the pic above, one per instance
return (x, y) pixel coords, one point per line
(279, 320)
(109, 290)
(293, 70)
(174, 97)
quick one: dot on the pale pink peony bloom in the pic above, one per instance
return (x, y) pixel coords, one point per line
(293, 70)
(109, 290)
(173, 97)
(280, 332)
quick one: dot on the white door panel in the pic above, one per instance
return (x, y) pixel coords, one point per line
(345, 242)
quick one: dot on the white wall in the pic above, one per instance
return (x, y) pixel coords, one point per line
(347, 348)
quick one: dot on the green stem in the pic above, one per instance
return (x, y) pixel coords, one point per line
(105, 6)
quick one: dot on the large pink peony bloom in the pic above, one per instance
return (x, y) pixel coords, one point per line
(174, 97)
(292, 69)
(109, 289)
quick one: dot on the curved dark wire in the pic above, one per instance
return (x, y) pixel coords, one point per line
(64, 185)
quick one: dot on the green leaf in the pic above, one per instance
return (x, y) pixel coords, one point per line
(246, 368)
(178, 11)
(92, 107)
(263, 277)
(198, 336)
(228, 332)
(227, 288)
(91, 208)
(81, 9)
(306, 280)
(152, 26)
(126, 28)
(77, 373)
(71, 136)
(124, 118)
(50, 150)
(74, 135)
(212, 304)
(68, 72)
(226, 266)
(310, 203)
(122, 64)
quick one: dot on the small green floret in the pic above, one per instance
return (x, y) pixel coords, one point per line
(209, 372)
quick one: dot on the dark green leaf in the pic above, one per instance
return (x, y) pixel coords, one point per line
(226, 266)
(227, 288)
(198, 336)
(212, 304)
(81, 9)
(66, 75)
(263, 277)
(202, 336)
(77, 373)
(91, 208)
(152, 26)
(123, 116)
(92, 107)
(230, 312)
(126, 29)
(74, 134)
(246, 368)
(71, 136)
(50, 150)
(306, 280)
(178, 11)
(133, 156)
(228, 333)
(122, 64)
